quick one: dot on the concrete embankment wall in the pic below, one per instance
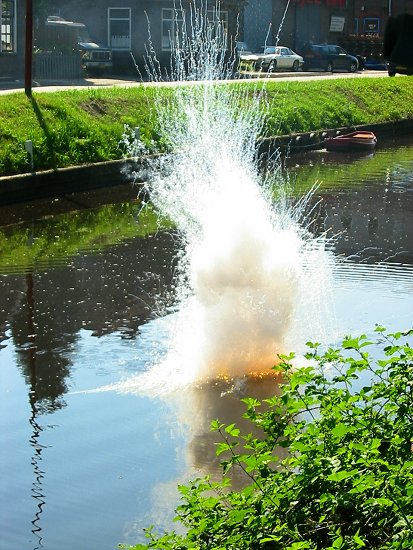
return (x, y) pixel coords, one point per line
(297, 143)
(62, 181)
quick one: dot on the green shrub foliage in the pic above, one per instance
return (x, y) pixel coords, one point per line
(346, 418)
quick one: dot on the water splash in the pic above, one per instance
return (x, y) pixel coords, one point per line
(252, 279)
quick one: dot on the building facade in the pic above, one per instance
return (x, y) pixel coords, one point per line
(344, 21)
(131, 28)
(258, 22)
(355, 24)
(12, 38)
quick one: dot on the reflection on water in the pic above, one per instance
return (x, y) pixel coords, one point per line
(83, 305)
(365, 202)
(221, 400)
(37, 486)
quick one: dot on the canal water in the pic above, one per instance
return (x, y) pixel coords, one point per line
(87, 288)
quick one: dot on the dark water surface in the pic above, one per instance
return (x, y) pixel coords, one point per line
(86, 283)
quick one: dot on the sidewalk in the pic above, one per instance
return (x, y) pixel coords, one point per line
(12, 86)
(8, 86)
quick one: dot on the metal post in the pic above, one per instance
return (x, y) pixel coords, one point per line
(28, 58)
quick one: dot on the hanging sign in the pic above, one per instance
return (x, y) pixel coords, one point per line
(371, 25)
(337, 24)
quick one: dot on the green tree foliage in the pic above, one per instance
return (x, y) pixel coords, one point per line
(347, 482)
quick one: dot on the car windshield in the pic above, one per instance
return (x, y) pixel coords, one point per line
(337, 50)
(242, 47)
(83, 35)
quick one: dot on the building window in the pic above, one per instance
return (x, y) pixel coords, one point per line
(119, 21)
(8, 26)
(172, 22)
(218, 23)
(173, 25)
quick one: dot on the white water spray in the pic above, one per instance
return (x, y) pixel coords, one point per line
(251, 278)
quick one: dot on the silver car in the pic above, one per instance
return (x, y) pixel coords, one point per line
(278, 57)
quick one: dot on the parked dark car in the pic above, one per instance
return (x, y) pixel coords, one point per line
(398, 44)
(393, 68)
(59, 35)
(329, 57)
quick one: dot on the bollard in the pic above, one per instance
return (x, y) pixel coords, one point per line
(28, 145)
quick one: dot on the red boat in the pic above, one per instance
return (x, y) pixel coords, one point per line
(363, 140)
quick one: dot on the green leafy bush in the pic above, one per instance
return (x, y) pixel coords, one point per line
(347, 482)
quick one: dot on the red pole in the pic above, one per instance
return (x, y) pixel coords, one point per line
(28, 58)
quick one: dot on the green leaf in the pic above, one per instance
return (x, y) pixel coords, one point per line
(358, 540)
(338, 543)
(340, 430)
(380, 501)
(351, 343)
(222, 448)
(237, 516)
(216, 425)
(232, 430)
(343, 474)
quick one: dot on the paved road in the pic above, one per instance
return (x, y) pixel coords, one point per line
(8, 87)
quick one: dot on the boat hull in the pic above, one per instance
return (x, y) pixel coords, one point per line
(356, 141)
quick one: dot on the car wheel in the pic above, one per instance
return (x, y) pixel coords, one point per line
(272, 66)
(392, 72)
(295, 66)
(329, 68)
(353, 67)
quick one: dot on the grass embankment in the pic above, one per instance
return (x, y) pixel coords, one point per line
(85, 126)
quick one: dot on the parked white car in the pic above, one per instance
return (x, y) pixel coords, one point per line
(246, 59)
(278, 57)
(242, 48)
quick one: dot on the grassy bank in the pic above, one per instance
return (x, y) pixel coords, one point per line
(83, 126)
